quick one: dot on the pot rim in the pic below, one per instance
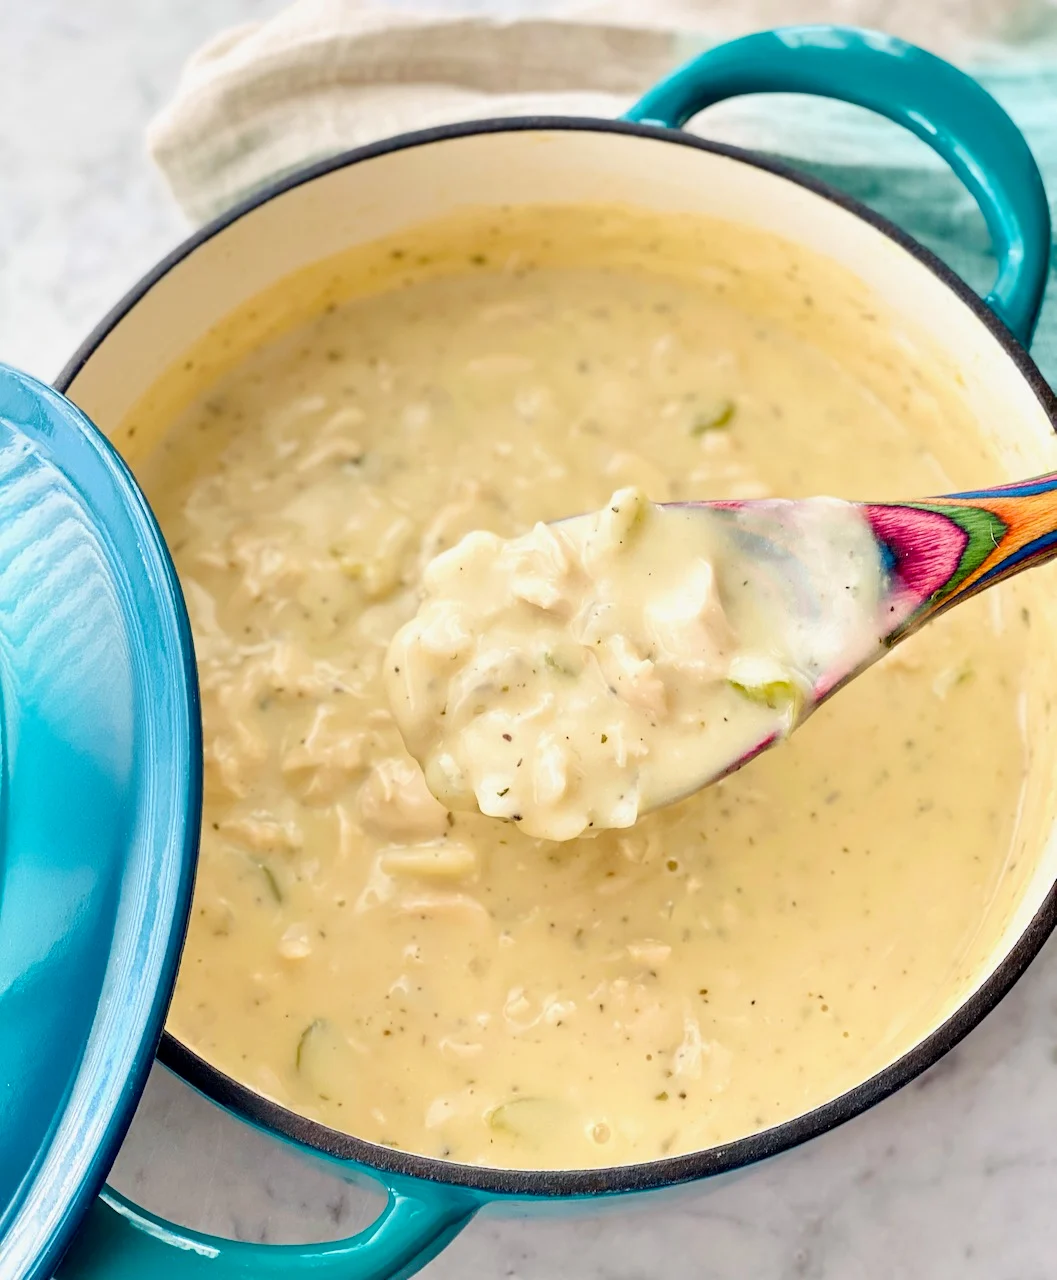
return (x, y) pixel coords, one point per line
(671, 1170)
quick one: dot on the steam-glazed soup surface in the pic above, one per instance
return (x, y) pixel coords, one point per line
(439, 980)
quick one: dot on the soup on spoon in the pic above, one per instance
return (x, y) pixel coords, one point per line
(600, 667)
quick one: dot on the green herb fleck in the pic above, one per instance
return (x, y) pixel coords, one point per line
(549, 660)
(525, 1118)
(775, 694)
(715, 419)
(273, 883)
(309, 1031)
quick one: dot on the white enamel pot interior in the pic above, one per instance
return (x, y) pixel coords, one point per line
(393, 186)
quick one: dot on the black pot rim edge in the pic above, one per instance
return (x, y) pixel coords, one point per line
(673, 1170)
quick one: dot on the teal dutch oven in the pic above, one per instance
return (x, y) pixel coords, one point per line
(101, 748)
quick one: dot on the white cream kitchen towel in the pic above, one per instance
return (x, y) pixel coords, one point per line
(325, 75)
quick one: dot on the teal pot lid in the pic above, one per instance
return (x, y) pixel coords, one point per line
(100, 806)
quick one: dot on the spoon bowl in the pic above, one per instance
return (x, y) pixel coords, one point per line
(933, 554)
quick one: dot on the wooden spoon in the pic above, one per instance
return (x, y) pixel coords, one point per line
(762, 610)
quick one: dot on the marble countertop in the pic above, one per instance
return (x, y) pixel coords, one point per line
(955, 1175)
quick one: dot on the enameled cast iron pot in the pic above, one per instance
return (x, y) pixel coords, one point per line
(641, 160)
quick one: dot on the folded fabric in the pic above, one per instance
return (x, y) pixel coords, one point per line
(326, 75)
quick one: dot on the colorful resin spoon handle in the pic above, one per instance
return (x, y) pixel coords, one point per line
(941, 551)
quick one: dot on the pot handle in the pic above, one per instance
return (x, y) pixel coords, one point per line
(946, 108)
(120, 1241)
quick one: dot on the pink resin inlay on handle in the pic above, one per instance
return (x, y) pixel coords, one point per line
(926, 548)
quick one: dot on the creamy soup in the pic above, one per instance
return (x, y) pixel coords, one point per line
(580, 675)
(441, 981)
